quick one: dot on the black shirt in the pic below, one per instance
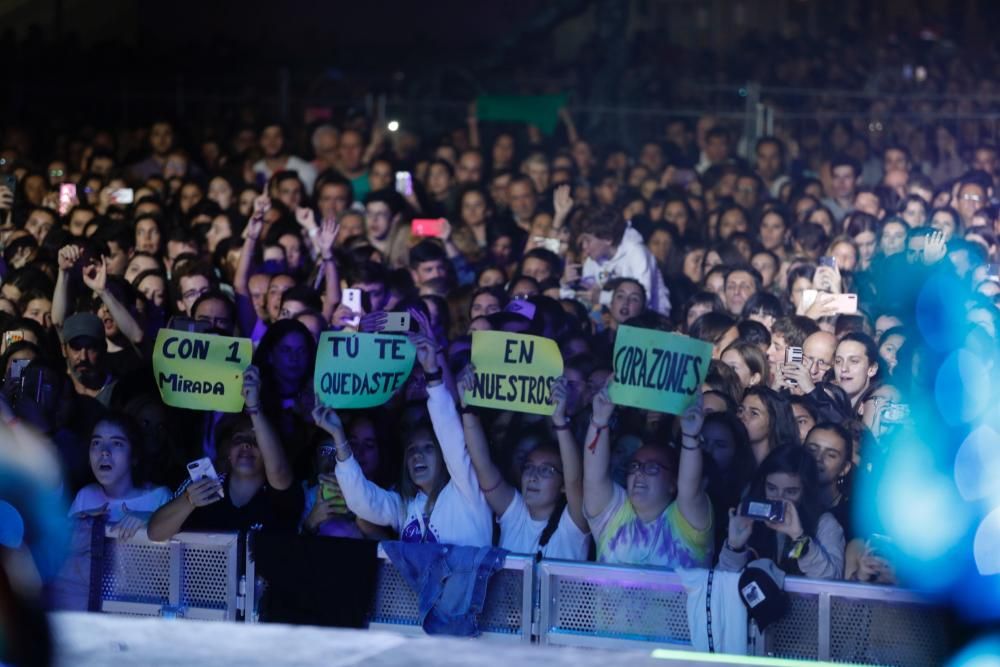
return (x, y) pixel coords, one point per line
(271, 510)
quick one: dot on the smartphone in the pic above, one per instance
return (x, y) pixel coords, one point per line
(427, 227)
(522, 307)
(763, 510)
(396, 323)
(793, 355)
(828, 260)
(181, 323)
(895, 413)
(879, 546)
(845, 304)
(67, 193)
(552, 245)
(352, 299)
(404, 183)
(16, 367)
(122, 196)
(201, 469)
(11, 337)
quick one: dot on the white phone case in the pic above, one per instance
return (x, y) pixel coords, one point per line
(202, 468)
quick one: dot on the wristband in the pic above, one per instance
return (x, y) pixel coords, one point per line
(492, 488)
(593, 443)
(561, 427)
(734, 549)
(436, 376)
(251, 411)
(700, 439)
(468, 410)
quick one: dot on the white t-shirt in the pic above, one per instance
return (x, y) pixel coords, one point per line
(92, 497)
(519, 533)
(461, 514)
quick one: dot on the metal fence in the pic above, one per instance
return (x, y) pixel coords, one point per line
(565, 603)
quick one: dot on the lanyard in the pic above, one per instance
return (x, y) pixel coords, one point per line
(708, 611)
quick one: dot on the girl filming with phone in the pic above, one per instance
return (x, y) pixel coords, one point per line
(255, 487)
(783, 520)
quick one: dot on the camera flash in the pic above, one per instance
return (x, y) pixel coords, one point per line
(393, 125)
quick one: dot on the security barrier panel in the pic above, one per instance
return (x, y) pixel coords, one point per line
(201, 575)
(507, 612)
(858, 623)
(192, 575)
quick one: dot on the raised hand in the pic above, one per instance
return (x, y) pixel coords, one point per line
(328, 233)
(740, 528)
(694, 417)
(562, 200)
(95, 276)
(251, 387)
(68, 256)
(328, 420)
(6, 198)
(558, 396)
(602, 405)
(261, 205)
(465, 381)
(305, 217)
(791, 525)
(935, 248)
(373, 322)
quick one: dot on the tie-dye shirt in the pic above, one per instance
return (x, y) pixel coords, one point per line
(668, 541)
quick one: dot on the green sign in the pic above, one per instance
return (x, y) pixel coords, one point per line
(201, 371)
(658, 370)
(514, 372)
(361, 370)
(541, 111)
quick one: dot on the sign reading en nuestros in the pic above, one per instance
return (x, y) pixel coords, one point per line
(201, 371)
(514, 372)
(658, 370)
(361, 370)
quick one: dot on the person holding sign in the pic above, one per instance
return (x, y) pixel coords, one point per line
(662, 519)
(257, 488)
(439, 499)
(545, 516)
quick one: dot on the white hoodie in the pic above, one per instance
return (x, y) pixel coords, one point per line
(632, 260)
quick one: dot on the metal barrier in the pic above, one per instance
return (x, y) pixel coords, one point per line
(198, 575)
(193, 575)
(605, 606)
(507, 613)
(845, 622)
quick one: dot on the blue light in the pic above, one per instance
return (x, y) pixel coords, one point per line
(983, 653)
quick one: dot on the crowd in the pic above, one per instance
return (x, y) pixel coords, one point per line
(803, 282)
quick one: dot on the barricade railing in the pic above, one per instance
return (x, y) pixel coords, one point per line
(192, 575)
(568, 603)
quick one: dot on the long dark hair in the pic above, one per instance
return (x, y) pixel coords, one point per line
(261, 358)
(782, 429)
(793, 460)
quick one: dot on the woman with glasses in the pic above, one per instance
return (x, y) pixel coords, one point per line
(545, 515)
(663, 517)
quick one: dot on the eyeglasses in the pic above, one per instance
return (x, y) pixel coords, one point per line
(648, 468)
(544, 471)
(975, 198)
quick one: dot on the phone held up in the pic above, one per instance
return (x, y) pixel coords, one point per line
(202, 468)
(763, 510)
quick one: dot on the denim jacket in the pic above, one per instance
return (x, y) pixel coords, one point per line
(449, 580)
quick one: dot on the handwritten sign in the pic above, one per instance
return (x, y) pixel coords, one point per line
(514, 372)
(361, 370)
(201, 371)
(657, 370)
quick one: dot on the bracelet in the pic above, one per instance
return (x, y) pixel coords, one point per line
(468, 410)
(593, 443)
(436, 376)
(327, 259)
(734, 549)
(563, 427)
(251, 411)
(700, 439)
(492, 488)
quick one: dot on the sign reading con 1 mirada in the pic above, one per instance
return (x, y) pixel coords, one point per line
(201, 371)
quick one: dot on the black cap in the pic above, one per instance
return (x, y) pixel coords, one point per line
(761, 589)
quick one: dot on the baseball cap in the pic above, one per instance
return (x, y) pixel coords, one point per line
(80, 325)
(762, 591)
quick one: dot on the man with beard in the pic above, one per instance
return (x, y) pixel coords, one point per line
(85, 349)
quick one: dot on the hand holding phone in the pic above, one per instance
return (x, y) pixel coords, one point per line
(396, 323)
(352, 299)
(122, 196)
(404, 183)
(67, 197)
(205, 482)
(433, 227)
(762, 509)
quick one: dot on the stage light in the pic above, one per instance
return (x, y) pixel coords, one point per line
(393, 125)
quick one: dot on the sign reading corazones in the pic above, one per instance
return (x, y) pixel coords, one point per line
(201, 371)
(658, 370)
(361, 370)
(514, 372)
